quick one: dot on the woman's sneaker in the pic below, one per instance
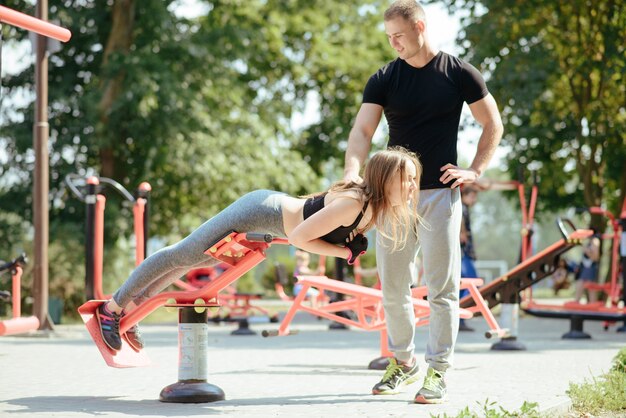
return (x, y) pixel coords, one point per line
(109, 327)
(434, 389)
(134, 338)
(396, 376)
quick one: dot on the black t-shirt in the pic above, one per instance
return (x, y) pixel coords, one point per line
(423, 107)
(339, 235)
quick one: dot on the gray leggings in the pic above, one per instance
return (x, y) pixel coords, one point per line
(258, 211)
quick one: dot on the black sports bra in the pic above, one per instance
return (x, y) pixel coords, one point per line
(339, 235)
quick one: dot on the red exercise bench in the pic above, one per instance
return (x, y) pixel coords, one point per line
(242, 252)
(366, 305)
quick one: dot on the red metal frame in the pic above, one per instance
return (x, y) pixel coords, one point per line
(33, 24)
(612, 289)
(366, 304)
(235, 249)
(139, 210)
(17, 324)
(236, 304)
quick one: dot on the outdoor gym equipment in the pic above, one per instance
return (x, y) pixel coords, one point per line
(88, 190)
(17, 324)
(238, 306)
(609, 311)
(33, 24)
(365, 305)
(506, 289)
(242, 251)
(509, 315)
(40, 146)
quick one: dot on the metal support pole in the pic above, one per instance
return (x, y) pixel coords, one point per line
(192, 386)
(90, 225)
(41, 178)
(509, 319)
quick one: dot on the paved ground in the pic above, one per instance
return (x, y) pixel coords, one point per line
(317, 373)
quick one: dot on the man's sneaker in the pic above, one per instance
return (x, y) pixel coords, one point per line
(134, 338)
(434, 389)
(109, 327)
(396, 376)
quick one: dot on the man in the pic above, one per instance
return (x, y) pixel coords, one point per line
(422, 94)
(469, 196)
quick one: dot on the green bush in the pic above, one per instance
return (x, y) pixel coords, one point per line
(619, 362)
(605, 394)
(491, 409)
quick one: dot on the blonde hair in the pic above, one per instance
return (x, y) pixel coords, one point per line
(378, 176)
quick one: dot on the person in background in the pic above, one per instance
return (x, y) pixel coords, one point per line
(560, 277)
(469, 197)
(589, 267)
(303, 260)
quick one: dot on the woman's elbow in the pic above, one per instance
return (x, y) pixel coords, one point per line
(296, 241)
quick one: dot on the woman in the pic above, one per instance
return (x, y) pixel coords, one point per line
(312, 223)
(589, 267)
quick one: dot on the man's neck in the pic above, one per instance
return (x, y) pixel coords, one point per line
(423, 57)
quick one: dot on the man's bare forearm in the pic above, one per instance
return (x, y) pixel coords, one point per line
(487, 144)
(358, 149)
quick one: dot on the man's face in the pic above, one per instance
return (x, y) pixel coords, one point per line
(404, 36)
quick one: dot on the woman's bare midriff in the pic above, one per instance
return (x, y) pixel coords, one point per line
(292, 208)
(292, 213)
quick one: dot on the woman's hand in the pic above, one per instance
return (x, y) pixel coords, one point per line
(357, 247)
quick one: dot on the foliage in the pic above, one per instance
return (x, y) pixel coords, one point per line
(558, 72)
(491, 409)
(204, 108)
(619, 362)
(601, 395)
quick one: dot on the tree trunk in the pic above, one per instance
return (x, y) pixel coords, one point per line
(119, 42)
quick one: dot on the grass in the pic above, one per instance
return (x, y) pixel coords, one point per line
(492, 410)
(603, 396)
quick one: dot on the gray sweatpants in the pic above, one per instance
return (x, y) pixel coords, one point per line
(439, 239)
(257, 211)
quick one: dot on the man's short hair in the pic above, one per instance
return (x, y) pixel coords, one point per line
(410, 10)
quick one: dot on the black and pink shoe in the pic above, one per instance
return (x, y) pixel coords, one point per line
(109, 327)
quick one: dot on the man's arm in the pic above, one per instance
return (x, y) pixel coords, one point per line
(486, 113)
(360, 139)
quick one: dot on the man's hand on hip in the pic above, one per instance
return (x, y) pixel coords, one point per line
(459, 175)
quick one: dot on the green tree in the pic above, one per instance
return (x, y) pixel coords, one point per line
(558, 72)
(202, 107)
